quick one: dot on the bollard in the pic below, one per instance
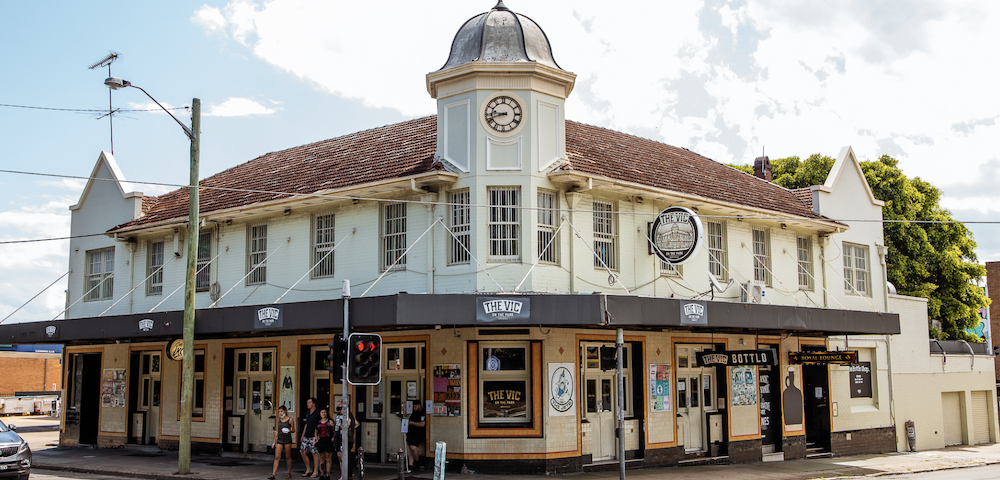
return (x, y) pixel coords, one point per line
(402, 464)
(911, 435)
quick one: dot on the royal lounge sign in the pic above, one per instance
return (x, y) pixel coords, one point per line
(676, 235)
(737, 358)
(503, 309)
(823, 358)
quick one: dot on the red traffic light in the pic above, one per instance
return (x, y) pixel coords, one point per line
(372, 347)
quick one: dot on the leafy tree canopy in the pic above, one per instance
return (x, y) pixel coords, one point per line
(936, 261)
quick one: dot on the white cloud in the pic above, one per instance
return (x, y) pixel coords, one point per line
(237, 107)
(211, 18)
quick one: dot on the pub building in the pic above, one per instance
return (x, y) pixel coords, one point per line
(496, 247)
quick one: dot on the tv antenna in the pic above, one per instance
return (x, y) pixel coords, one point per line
(106, 62)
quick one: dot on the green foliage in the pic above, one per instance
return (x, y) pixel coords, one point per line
(935, 261)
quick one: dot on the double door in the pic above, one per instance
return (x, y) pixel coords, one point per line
(402, 386)
(600, 389)
(256, 396)
(695, 398)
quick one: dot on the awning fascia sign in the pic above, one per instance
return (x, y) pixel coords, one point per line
(823, 358)
(737, 358)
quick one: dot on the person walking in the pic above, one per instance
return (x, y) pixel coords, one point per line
(416, 431)
(324, 444)
(284, 433)
(307, 446)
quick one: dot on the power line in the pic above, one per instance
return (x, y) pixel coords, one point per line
(91, 110)
(8, 242)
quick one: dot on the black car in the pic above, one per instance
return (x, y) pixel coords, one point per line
(15, 456)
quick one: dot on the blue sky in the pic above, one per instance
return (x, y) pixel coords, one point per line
(722, 78)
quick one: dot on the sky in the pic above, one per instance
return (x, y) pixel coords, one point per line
(726, 79)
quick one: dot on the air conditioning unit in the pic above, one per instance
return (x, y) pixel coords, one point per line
(751, 293)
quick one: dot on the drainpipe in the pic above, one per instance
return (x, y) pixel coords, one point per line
(570, 203)
(882, 252)
(131, 272)
(822, 265)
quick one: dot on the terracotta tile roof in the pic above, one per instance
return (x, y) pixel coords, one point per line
(805, 195)
(599, 151)
(392, 151)
(408, 148)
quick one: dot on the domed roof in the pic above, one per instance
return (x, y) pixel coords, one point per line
(500, 35)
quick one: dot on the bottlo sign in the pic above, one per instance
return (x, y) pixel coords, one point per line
(737, 358)
(823, 358)
(676, 235)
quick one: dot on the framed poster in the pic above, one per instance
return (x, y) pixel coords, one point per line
(562, 385)
(861, 380)
(447, 391)
(743, 382)
(287, 397)
(659, 388)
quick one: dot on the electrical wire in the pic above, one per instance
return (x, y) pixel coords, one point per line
(92, 110)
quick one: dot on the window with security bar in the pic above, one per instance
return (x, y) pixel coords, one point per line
(548, 214)
(762, 256)
(460, 223)
(256, 253)
(203, 277)
(323, 243)
(154, 268)
(100, 267)
(393, 236)
(670, 270)
(605, 235)
(803, 247)
(718, 253)
(505, 224)
(857, 269)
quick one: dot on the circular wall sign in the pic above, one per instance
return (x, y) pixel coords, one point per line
(175, 349)
(676, 235)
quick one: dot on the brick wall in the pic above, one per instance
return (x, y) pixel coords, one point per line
(993, 291)
(866, 441)
(29, 374)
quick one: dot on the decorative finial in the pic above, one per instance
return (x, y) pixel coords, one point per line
(500, 6)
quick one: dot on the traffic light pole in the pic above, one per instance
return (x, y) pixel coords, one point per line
(346, 425)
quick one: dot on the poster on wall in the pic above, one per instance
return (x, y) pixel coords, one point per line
(659, 388)
(561, 388)
(743, 384)
(861, 380)
(791, 401)
(113, 387)
(447, 391)
(288, 388)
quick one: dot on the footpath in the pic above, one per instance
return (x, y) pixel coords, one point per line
(163, 465)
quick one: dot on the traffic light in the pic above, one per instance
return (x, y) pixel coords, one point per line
(336, 359)
(364, 362)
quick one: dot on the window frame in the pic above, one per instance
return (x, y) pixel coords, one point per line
(850, 271)
(525, 429)
(548, 221)
(804, 263)
(718, 250)
(324, 231)
(204, 247)
(392, 236)
(104, 275)
(605, 231)
(761, 255)
(523, 375)
(460, 223)
(256, 254)
(154, 267)
(504, 223)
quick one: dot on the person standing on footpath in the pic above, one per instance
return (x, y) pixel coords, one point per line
(416, 431)
(324, 443)
(307, 446)
(342, 419)
(284, 432)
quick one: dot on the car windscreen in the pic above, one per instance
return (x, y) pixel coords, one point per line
(3, 427)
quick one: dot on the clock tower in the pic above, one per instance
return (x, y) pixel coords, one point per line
(501, 98)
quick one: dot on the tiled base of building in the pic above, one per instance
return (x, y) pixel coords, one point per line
(745, 451)
(869, 440)
(197, 448)
(794, 447)
(663, 457)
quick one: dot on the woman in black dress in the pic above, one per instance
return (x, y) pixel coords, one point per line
(324, 443)
(284, 432)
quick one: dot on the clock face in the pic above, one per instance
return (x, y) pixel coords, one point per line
(503, 114)
(175, 349)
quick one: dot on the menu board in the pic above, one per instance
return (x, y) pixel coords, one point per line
(447, 390)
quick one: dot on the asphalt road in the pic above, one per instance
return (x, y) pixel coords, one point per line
(989, 472)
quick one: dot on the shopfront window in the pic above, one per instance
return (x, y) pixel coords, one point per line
(505, 383)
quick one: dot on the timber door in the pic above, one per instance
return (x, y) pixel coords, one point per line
(769, 379)
(403, 384)
(255, 396)
(600, 390)
(695, 398)
(149, 396)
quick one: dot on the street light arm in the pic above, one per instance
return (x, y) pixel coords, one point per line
(187, 130)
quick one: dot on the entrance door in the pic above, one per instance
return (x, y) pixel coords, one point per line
(770, 405)
(403, 384)
(149, 396)
(600, 390)
(695, 398)
(816, 396)
(255, 396)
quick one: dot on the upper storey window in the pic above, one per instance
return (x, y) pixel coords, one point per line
(857, 269)
(548, 211)
(323, 246)
(393, 236)
(762, 255)
(605, 235)
(460, 223)
(718, 254)
(100, 269)
(505, 223)
(805, 262)
(256, 253)
(154, 268)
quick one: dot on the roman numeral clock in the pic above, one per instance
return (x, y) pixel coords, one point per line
(503, 114)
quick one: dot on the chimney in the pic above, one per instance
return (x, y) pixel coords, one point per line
(762, 168)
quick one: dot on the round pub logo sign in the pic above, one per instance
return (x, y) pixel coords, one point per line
(676, 235)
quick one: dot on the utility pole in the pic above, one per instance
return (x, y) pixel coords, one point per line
(620, 380)
(187, 366)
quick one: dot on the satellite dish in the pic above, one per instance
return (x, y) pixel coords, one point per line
(716, 284)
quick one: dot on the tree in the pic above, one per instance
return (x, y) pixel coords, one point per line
(936, 261)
